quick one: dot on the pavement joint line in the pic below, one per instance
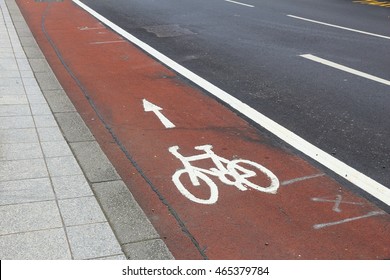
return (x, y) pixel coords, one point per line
(141, 240)
(103, 257)
(29, 231)
(28, 202)
(22, 30)
(26, 178)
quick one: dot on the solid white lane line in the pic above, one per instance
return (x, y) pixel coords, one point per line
(340, 27)
(357, 178)
(239, 3)
(345, 69)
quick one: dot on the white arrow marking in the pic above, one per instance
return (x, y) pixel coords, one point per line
(150, 107)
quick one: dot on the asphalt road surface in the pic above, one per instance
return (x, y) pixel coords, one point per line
(253, 52)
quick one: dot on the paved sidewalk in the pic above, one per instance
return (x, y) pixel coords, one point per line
(48, 209)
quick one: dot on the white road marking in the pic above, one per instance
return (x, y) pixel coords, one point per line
(370, 214)
(239, 3)
(107, 42)
(288, 182)
(345, 69)
(340, 27)
(86, 28)
(352, 175)
(150, 107)
(337, 202)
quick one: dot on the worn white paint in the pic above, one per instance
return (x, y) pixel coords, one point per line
(337, 202)
(352, 175)
(228, 172)
(150, 107)
(304, 178)
(368, 215)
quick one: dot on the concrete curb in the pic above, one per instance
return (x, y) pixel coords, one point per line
(135, 233)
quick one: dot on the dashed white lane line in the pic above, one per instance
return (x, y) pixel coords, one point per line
(239, 3)
(340, 27)
(345, 69)
(357, 178)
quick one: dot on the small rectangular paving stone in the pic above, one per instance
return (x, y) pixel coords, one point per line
(22, 169)
(28, 217)
(23, 135)
(93, 241)
(82, 210)
(63, 166)
(19, 151)
(48, 244)
(24, 191)
(71, 186)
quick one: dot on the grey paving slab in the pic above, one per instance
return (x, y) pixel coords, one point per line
(38, 245)
(33, 89)
(23, 64)
(59, 101)
(16, 122)
(29, 82)
(36, 98)
(94, 162)
(129, 222)
(40, 109)
(80, 211)
(29, 217)
(71, 186)
(63, 166)
(26, 74)
(24, 191)
(37, 64)
(147, 250)
(23, 135)
(11, 82)
(50, 134)
(9, 90)
(93, 241)
(45, 121)
(8, 64)
(73, 127)
(13, 99)
(22, 169)
(32, 52)
(20, 151)
(28, 42)
(48, 81)
(14, 110)
(9, 74)
(56, 149)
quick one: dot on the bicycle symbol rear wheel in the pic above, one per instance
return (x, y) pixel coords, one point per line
(243, 173)
(212, 196)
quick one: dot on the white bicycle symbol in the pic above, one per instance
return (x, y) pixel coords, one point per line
(229, 172)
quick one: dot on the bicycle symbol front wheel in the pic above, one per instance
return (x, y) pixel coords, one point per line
(237, 168)
(211, 197)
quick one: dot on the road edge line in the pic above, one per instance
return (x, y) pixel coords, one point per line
(350, 174)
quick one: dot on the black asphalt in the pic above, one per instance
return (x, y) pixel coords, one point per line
(253, 54)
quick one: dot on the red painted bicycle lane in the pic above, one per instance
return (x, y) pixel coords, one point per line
(311, 216)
